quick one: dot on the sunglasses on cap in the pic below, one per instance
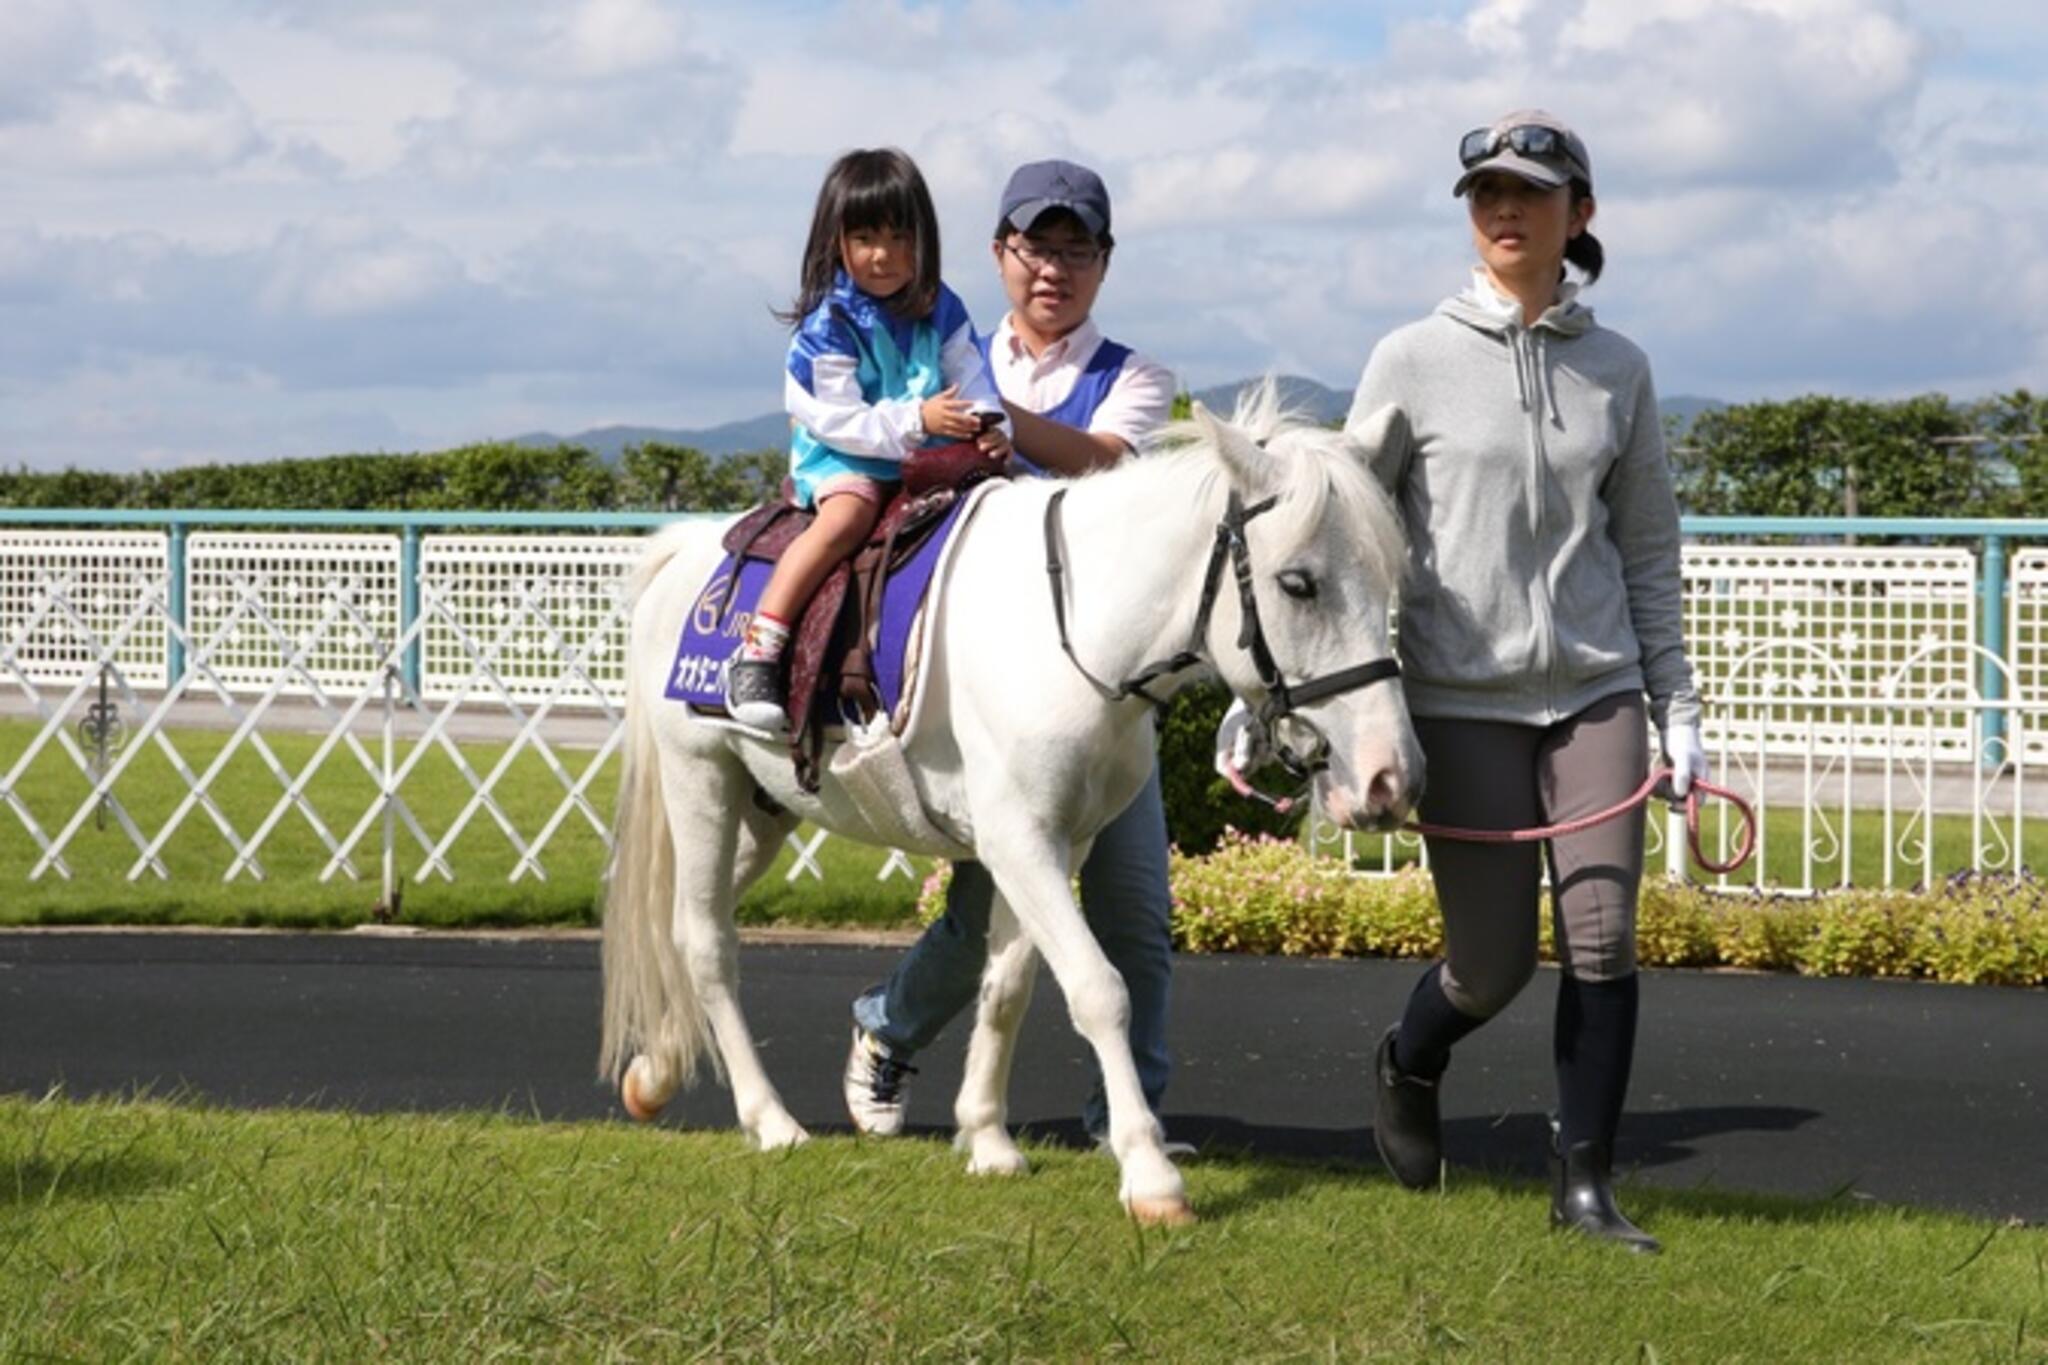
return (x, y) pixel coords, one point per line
(1524, 139)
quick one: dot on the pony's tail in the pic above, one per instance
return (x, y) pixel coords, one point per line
(650, 1008)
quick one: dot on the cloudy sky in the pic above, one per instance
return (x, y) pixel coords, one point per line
(233, 229)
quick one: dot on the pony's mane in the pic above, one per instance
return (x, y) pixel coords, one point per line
(1314, 463)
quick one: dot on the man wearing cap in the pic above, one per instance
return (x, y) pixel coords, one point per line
(1079, 401)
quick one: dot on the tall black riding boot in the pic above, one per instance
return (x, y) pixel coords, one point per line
(1595, 1044)
(1407, 1126)
(1582, 1197)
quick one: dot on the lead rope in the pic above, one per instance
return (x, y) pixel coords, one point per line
(1700, 786)
(1745, 846)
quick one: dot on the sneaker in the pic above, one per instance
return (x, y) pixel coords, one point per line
(875, 1088)
(753, 694)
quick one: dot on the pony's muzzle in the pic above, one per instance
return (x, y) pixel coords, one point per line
(1379, 792)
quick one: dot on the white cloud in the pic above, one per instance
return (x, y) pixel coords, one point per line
(1680, 92)
(144, 106)
(608, 37)
(610, 84)
(1233, 182)
(354, 269)
(43, 44)
(357, 220)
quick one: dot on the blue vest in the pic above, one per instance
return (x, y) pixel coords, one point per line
(1077, 409)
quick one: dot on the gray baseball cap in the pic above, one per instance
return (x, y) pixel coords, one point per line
(1039, 186)
(1534, 144)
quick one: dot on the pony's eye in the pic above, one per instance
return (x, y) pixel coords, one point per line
(1298, 583)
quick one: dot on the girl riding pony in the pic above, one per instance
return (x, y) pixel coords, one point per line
(883, 361)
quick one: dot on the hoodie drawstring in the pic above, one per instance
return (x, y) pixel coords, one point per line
(1547, 376)
(1515, 344)
(1533, 377)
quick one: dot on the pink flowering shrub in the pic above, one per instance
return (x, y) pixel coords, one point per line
(1985, 929)
(931, 892)
(1261, 894)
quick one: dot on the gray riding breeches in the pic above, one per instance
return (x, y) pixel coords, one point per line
(1491, 775)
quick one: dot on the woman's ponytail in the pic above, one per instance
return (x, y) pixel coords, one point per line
(1584, 250)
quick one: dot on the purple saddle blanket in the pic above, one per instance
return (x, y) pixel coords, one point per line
(720, 612)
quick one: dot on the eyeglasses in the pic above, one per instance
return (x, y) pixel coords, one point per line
(1524, 139)
(1035, 257)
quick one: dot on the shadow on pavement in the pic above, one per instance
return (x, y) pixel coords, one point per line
(1512, 1145)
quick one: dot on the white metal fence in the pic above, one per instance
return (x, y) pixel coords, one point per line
(1850, 697)
(1850, 685)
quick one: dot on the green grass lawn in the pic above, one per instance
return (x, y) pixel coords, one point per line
(147, 1230)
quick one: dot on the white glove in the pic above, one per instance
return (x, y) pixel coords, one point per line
(1240, 743)
(1687, 756)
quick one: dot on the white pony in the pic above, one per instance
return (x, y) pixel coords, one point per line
(1023, 751)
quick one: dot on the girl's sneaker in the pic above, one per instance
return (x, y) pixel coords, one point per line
(753, 694)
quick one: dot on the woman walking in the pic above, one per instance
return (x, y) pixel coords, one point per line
(1540, 612)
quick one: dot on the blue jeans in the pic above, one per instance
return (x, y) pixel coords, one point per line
(1125, 900)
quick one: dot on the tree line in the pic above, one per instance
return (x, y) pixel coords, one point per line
(1814, 457)
(494, 476)
(1832, 457)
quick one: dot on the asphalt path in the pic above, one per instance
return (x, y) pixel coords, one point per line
(1895, 1091)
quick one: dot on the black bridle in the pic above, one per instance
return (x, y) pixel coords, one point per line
(1279, 712)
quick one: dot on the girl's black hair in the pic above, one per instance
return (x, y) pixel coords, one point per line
(873, 188)
(1584, 250)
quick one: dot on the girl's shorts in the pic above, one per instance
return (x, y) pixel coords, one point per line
(854, 485)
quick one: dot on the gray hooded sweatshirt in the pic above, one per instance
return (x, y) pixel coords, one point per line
(1543, 566)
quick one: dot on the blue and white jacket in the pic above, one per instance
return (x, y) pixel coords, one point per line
(858, 375)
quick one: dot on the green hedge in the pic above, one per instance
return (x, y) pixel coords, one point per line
(496, 476)
(1812, 456)
(1818, 456)
(1260, 894)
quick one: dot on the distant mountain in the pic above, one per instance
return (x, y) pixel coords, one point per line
(770, 430)
(766, 432)
(1319, 402)
(1686, 407)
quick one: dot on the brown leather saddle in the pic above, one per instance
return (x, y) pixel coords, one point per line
(831, 656)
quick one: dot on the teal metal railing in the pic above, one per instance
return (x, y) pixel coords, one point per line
(1997, 537)
(179, 523)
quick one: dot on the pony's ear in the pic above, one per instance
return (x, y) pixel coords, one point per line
(1387, 427)
(1249, 465)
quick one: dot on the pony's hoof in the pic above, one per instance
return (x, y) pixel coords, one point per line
(997, 1162)
(990, 1151)
(780, 1137)
(637, 1092)
(1175, 1212)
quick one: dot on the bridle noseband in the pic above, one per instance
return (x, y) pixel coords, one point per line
(1279, 713)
